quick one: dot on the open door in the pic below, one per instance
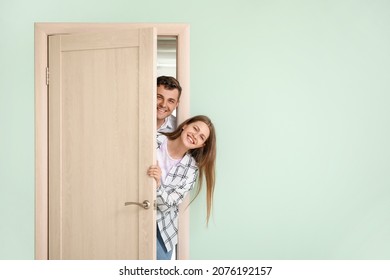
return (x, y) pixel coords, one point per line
(101, 142)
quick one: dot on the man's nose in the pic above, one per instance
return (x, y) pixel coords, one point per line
(162, 103)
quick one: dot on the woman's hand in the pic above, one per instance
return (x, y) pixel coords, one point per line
(154, 171)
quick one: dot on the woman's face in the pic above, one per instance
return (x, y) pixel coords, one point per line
(194, 135)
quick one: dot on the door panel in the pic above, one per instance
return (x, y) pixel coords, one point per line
(101, 141)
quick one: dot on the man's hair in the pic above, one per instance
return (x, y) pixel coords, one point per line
(169, 83)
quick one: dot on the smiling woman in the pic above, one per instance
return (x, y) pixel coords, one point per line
(185, 156)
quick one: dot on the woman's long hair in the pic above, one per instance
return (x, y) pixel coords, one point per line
(204, 156)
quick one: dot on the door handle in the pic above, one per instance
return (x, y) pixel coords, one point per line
(145, 204)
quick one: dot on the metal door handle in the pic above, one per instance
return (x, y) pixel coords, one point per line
(145, 204)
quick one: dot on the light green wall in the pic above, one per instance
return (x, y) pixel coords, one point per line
(299, 92)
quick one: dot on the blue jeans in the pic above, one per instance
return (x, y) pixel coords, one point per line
(162, 253)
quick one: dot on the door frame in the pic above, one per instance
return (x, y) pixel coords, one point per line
(41, 33)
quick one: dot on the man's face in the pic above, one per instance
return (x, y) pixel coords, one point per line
(167, 101)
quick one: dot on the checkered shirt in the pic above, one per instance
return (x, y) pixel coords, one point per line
(179, 181)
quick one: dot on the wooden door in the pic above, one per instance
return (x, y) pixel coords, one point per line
(101, 142)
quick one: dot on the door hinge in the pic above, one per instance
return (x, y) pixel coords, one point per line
(47, 76)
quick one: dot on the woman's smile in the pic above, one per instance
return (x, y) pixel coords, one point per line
(191, 139)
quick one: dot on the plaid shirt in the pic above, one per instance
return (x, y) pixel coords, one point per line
(179, 181)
